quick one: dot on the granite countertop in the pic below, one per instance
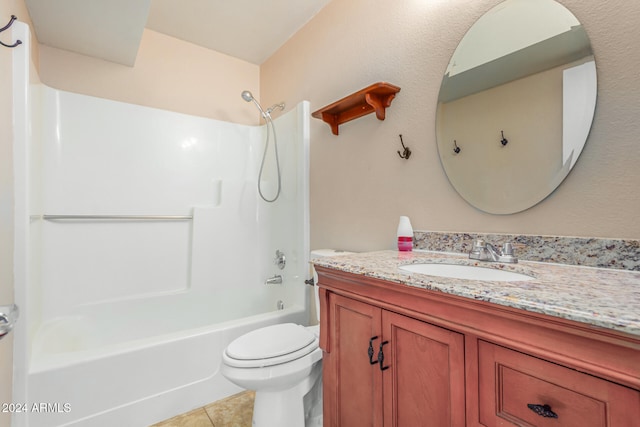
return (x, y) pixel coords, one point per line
(597, 296)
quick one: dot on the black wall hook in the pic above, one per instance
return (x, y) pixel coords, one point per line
(406, 152)
(456, 149)
(6, 27)
(504, 141)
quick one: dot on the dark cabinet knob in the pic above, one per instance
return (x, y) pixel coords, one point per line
(542, 410)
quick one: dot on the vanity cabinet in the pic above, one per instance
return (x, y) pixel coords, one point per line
(386, 369)
(395, 355)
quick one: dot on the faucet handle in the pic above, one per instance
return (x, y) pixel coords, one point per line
(479, 244)
(508, 254)
(280, 260)
(478, 251)
(507, 249)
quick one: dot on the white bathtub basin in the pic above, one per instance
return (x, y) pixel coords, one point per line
(467, 272)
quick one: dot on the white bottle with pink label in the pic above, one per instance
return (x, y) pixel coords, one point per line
(405, 234)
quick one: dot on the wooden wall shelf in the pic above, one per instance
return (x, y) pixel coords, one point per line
(376, 97)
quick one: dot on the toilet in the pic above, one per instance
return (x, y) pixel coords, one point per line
(283, 364)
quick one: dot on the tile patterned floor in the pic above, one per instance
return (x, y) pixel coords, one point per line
(234, 411)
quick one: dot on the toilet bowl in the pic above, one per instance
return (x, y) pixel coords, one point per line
(283, 364)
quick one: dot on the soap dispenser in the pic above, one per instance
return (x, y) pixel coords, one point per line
(405, 234)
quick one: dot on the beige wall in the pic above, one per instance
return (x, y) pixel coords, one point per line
(359, 185)
(168, 74)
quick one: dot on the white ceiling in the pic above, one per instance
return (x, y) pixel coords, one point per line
(251, 30)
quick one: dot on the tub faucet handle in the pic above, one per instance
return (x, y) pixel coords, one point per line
(280, 260)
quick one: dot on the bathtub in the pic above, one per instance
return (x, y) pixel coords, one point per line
(135, 363)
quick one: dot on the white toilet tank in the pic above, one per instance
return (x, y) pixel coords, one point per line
(320, 253)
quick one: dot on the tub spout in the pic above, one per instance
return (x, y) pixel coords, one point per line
(275, 280)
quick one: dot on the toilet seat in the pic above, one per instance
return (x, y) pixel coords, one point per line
(270, 346)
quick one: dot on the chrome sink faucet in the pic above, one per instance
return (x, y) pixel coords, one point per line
(484, 251)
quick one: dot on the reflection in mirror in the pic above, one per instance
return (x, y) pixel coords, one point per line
(517, 100)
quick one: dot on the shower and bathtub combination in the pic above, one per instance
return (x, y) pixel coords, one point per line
(142, 251)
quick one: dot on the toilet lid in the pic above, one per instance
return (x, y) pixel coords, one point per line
(271, 341)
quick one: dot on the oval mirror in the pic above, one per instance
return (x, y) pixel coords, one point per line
(516, 105)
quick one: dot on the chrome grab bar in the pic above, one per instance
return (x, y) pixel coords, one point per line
(114, 217)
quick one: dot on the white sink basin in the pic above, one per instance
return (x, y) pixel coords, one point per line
(468, 272)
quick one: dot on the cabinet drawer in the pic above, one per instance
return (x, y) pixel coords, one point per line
(511, 383)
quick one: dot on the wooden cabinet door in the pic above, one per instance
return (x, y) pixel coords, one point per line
(352, 385)
(424, 382)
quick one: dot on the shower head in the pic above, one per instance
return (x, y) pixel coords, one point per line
(246, 95)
